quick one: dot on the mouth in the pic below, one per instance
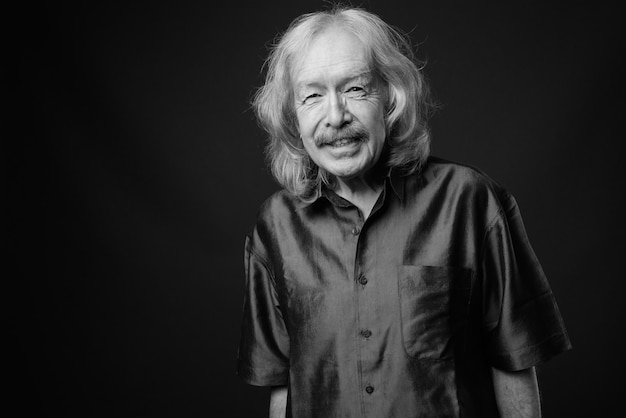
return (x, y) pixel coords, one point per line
(342, 142)
(345, 138)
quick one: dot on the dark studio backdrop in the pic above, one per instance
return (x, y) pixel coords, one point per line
(139, 170)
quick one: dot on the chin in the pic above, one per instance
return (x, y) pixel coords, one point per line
(347, 172)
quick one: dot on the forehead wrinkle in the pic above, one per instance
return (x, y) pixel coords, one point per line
(309, 72)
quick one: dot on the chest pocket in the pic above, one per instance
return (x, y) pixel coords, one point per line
(434, 305)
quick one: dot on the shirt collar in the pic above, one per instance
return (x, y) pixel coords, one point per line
(394, 179)
(397, 181)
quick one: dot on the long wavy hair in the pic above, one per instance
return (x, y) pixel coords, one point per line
(407, 107)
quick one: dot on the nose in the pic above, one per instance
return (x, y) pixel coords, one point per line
(337, 112)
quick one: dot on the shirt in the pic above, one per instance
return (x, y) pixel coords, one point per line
(402, 314)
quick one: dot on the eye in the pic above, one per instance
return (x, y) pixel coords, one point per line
(356, 92)
(311, 97)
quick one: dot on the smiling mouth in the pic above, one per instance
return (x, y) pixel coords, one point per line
(348, 136)
(342, 142)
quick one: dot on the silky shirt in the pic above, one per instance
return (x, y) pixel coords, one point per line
(402, 314)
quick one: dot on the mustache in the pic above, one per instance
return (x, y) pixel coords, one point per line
(356, 133)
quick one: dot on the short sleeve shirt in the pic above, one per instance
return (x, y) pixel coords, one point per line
(402, 314)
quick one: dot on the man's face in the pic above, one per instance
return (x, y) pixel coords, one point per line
(339, 106)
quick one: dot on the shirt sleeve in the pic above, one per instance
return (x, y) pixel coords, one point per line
(263, 358)
(522, 322)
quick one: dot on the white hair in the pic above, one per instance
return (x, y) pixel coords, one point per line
(392, 60)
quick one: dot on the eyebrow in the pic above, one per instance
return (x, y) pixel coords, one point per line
(366, 74)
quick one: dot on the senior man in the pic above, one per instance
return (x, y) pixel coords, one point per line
(382, 282)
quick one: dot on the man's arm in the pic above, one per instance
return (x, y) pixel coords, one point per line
(278, 402)
(517, 393)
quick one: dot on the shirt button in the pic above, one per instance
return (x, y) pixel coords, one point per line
(363, 280)
(369, 389)
(366, 333)
(355, 230)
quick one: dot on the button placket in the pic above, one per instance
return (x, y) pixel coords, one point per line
(364, 333)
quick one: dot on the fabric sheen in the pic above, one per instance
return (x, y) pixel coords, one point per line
(399, 315)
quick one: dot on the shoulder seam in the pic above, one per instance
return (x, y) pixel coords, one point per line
(266, 265)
